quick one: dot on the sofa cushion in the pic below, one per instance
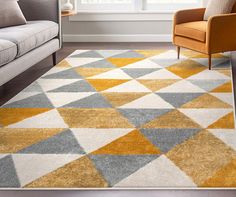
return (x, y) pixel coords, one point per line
(193, 30)
(11, 14)
(28, 37)
(8, 51)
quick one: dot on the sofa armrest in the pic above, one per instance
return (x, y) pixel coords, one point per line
(190, 15)
(221, 33)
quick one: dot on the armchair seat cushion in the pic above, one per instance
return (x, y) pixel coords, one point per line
(194, 30)
(30, 36)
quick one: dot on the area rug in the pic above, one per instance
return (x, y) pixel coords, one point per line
(122, 119)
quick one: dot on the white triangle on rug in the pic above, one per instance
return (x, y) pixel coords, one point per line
(146, 63)
(225, 97)
(150, 101)
(182, 86)
(77, 62)
(77, 52)
(50, 119)
(2, 155)
(21, 96)
(160, 74)
(214, 61)
(130, 86)
(170, 55)
(226, 54)
(205, 117)
(93, 139)
(30, 167)
(228, 136)
(161, 172)
(56, 70)
(110, 53)
(51, 84)
(112, 74)
(63, 98)
(209, 74)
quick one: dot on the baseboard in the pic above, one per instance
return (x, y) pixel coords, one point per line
(117, 38)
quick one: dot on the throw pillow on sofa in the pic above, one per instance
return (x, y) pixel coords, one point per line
(10, 14)
(216, 7)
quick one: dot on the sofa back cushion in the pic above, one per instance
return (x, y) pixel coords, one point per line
(216, 7)
(10, 14)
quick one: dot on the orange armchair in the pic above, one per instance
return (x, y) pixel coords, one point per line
(218, 34)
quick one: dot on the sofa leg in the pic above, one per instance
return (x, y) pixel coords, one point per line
(209, 61)
(54, 58)
(178, 52)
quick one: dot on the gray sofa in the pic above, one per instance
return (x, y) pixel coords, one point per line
(23, 46)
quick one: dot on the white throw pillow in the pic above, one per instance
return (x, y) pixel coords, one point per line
(216, 7)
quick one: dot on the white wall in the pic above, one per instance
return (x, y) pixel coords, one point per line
(118, 31)
(122, 31)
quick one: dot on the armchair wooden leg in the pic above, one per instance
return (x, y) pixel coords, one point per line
(178, 51)
(209, 61)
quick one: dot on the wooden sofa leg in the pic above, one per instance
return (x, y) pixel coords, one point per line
(54, 58)
(178, 51)
(209, 61)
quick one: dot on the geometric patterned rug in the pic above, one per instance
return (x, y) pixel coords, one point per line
(122, 119)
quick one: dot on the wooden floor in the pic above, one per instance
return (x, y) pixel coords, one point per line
(13, 87)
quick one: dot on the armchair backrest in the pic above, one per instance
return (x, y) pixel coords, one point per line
(234, 8)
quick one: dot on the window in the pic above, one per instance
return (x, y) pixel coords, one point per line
(106, 5)
(171, 4)
(137, 5)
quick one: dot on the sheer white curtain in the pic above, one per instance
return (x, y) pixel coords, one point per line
(106, 4)
(142, 5)
(171, 4)
(104, 1)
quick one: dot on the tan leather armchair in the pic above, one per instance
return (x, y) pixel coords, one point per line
(218, 34)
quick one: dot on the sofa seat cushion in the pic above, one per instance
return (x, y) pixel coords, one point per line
(8, 51)
(28, 37)
(194, 30)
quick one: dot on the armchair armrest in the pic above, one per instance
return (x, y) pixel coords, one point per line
(190, 15)
(221, 33)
